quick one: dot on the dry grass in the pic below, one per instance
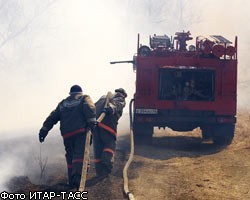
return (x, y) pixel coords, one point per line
(242, 131)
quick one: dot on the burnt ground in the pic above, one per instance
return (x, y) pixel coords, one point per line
(178, 166)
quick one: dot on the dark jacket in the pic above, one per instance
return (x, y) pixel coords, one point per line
(75, 113)
(117, 103)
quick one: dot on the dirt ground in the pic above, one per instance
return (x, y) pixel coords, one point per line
(178, 166)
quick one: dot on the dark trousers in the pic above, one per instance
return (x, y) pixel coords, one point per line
(74, 147)
(104, 150)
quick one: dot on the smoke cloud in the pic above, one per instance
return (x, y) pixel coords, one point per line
(72, 43)
(48, 47)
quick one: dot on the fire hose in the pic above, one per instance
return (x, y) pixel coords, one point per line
(87, 148)
(129, 195)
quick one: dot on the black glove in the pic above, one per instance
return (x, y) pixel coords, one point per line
(42, 135)
(91, 126)
(108, 111)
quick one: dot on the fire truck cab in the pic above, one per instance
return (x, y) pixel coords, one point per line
(183, 86)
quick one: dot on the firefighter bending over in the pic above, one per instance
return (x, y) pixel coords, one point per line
(77, 115)
(104, 135)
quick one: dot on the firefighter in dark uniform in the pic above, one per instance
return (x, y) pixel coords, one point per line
(104, 135)
(77, 115)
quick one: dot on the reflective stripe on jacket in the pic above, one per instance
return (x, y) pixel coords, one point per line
(117, 103)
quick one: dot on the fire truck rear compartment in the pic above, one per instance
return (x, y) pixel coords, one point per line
(190, 84)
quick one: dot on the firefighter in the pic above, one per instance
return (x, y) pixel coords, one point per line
(77, 115)
(104, 135)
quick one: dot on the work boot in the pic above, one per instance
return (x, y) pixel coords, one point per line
(98, 178)
(99, 168)
(76, 181)
(65, 187)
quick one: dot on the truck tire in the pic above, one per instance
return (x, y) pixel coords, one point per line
(223, 134)
(143, 134)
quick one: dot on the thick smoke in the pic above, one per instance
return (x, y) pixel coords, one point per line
(47, 46)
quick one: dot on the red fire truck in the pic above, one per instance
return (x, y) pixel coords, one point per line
(184, 86)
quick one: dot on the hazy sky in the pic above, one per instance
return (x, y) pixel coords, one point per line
(72, 42)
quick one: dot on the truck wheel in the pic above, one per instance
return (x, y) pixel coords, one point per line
(223, 134)
(143, 134)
